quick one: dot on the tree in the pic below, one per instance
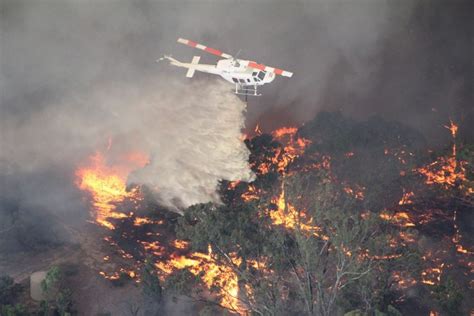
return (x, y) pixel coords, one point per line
(281, 269)
(449, 297)
(151, 282)
(335, 255)
(58, 296)
(16, 310)
(51, 282)
(9, 290)
(64, 302)
(312, 241)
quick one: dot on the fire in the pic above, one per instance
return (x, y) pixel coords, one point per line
(453, 128)
(286, 215)
(284, 131)
(432, 276)
(139, 221)
(212, 273)
(180, 244)
(294, 148)
(233, 184)
(153, 247)
(403, 281)
(357, 192)
(447, 171)
(399, 218)
(252, 193)
(461, 249)
(406, 199)
(107, 185)
(434, 260)
(282, 157)
(117, 275)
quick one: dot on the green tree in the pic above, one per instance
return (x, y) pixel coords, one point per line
(303, 269)
(449, 297)
(16, 310)
(52, 281)
(151, 281)
(58, 296)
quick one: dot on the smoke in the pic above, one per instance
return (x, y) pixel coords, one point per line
(191, 131)
(75, 73)
(195, 141)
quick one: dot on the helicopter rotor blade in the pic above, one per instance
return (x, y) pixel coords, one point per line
(204, 48)
(263, 67)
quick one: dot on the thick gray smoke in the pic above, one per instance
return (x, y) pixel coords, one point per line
(192, 133)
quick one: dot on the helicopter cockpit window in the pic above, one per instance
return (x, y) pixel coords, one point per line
(235, 80)
(242, 80)
(261, 75)
(254, 74)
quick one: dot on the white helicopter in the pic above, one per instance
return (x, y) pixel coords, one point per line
(245, 74)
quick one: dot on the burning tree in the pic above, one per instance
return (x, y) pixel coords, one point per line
(340, 218)
(328, 252)
(302, 264)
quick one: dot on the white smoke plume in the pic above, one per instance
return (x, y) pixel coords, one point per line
(196, 143)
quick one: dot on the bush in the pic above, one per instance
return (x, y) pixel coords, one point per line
(449, 297)
(151, 282)
(9, 290)
(17, 310)
(59, 298)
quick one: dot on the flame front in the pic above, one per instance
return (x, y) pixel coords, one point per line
(212, 273)
(107, 186)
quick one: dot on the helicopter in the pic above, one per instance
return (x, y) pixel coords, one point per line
(247, 75)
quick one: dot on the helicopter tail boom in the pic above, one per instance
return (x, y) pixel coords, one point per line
(192, 66)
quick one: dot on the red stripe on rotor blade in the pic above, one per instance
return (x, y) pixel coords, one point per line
(278, 71)
(257, 66)
(191, 43)
(213, 51)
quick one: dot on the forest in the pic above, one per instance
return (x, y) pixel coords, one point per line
(344, 217)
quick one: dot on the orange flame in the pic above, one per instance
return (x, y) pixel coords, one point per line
(447, 171)
(406, 198)
(400, 218)
(212, 273)
(286, 215)
(251, 194)
(107, 185)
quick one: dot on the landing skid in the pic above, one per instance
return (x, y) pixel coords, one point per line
(246, 90)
